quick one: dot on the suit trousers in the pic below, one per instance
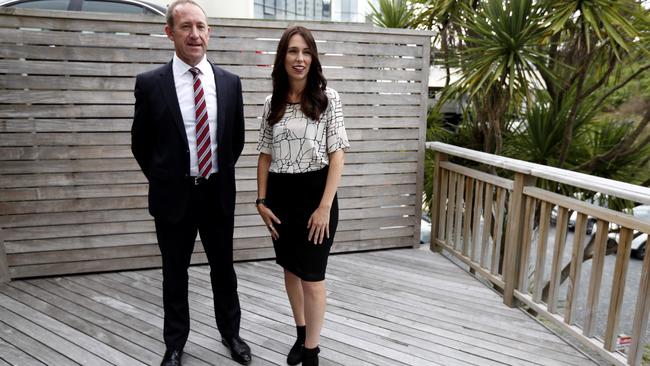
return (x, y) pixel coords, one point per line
(176, 241)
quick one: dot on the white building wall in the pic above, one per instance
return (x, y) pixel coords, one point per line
(228, 8)
(221, 8)
(341, 10)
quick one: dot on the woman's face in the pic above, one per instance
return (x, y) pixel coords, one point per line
(298, 59)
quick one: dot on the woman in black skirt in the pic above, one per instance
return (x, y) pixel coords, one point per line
(301, 144)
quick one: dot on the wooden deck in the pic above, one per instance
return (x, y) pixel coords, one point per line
(397, 307)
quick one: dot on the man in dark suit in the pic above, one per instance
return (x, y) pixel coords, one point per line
(187, 134)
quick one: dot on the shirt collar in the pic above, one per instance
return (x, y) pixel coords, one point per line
(180, 67)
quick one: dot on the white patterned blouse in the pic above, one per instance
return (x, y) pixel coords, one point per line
(298, 144)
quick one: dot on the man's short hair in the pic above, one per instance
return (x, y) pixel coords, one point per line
(169, 15)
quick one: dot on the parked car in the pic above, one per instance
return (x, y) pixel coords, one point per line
(572, 221)
(104, 6)
(640, 243)
(425, 229)
(639, 239)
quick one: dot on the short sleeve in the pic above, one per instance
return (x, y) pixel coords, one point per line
(337, 138)
(265, 140)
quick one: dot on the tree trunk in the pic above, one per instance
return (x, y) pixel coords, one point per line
(588, 253)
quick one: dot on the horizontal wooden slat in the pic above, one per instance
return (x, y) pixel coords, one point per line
(102, 54)
(63, 192)
(149, 237)
(126, 97)
(26, 221)
(126, 111)
(198, 258)
(123, 69)
(92, 204)
(129, 164)
(37, 37)
(605, 214)
(124, 125)
(146, 225)
(488, 178)
(117, 175)
(152, 249)
(45, 82)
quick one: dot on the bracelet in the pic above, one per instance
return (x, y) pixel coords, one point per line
(260, 201)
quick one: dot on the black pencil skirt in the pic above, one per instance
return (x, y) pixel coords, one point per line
(293, 197)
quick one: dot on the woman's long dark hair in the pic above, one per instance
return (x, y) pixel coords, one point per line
(313, 101)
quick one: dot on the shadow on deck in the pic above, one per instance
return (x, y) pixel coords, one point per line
(394, 307)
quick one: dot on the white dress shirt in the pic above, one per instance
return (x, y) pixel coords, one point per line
(184, 82)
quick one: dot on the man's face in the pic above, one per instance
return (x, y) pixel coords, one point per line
(190, 33)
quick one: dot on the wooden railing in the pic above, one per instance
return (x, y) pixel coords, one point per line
(500, 228)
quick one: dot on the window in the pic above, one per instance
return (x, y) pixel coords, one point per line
(327, 9)
(44, 4)
(269, 7)
(111, 7)
(300, 7)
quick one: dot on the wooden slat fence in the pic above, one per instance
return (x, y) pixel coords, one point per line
(488, 223)
(72, 198)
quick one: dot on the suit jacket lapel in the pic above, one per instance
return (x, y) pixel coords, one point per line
(220, 104)
(168, 90)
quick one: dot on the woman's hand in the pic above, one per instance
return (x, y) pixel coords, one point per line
(319, 225)
(269, 218)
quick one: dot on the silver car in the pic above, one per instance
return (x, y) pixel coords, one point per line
(104, 6)
(639, 243)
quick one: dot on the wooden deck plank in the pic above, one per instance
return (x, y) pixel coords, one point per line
(31, 346)
(11, 355)
(78, 318)
(204, 328)
(45, 330)
(127, 314)
(394, 307)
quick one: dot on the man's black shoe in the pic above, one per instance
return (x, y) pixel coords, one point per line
(172, 357)
(239, 350)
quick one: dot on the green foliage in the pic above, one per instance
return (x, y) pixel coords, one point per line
(600, 137)
(502, 49)
(609, 22)
(392, 14)
(538, 75)
(539, 136)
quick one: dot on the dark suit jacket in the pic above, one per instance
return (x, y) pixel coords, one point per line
(159, 142)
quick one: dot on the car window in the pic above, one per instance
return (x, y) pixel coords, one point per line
(43, 4)
(111, 7)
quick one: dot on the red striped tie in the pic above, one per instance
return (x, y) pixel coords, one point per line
(203, 149)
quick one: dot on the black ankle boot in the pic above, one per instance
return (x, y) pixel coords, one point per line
(295, 354)
(310, 356)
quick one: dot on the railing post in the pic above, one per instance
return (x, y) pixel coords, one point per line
(435, 200)
(640, 316)
(4, 265)
(514, 237)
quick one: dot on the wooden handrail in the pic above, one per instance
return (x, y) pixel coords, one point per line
(608, 186)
